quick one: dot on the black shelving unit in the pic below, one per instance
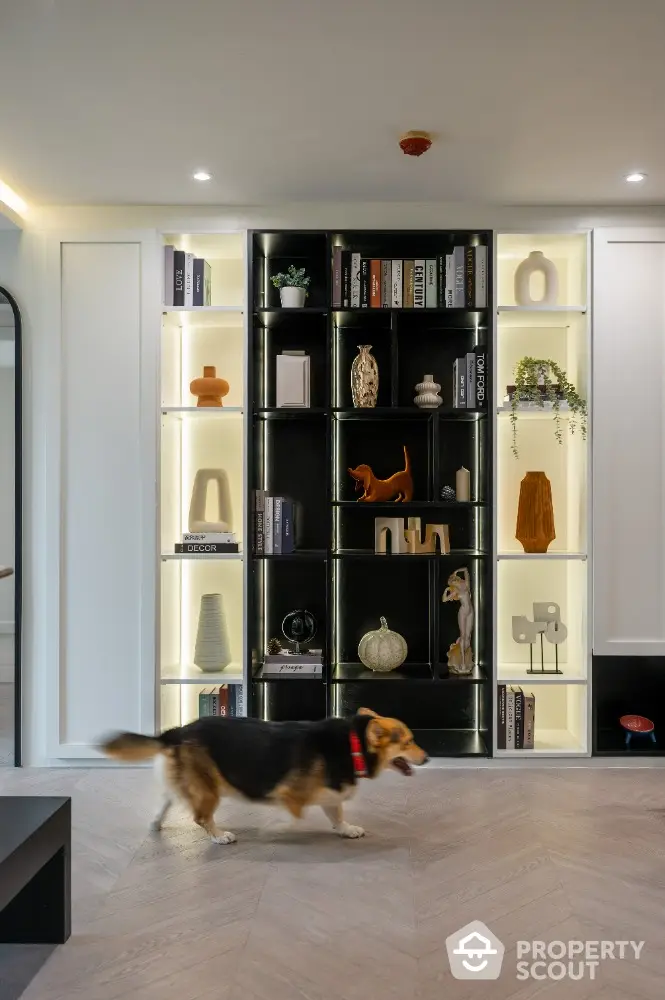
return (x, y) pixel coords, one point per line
(305, 454)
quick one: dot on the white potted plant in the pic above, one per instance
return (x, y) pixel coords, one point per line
(292, 287)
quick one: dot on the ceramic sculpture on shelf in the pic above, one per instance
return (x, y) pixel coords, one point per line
(428, 393)
(536, 263)
(197, 522)
(208, 388)
(460, 653)
(398, 487)
(382, 650)
(546, 624)
(364, 377)
(211, 653)
(535, 513)
(415, 543)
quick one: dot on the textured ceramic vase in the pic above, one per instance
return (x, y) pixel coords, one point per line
(534, 263)
(209, 388)
(364, 377)
(382, 650)
(211, 653)
(535, 513)
(292, 297)
(197, 521)
(428, 393)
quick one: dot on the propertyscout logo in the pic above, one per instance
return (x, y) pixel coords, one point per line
(474, 952)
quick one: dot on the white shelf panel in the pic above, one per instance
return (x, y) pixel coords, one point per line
(180, 556)
(542, 412)
(189, 673)
(203, 309)
(550, 743)
(516, 673)
(200, 412)
(530, 556)
(541, 309)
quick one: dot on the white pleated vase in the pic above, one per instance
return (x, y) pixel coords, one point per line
(211, 653)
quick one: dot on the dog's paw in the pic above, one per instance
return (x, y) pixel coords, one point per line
(225, 838)
(349, 832)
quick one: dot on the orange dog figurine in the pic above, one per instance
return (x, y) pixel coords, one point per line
(398, 487)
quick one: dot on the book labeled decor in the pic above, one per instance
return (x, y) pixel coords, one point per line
(536, 263)
(546, 624)
(292, 287)
(428, 390)
(382, 650)
(364, 378)
(207, 543)
(209, 389)
(211, 653)
(292, 376)
(516, 718)
(197, 522)
(460, 652)
(535, 513)
(457, 280)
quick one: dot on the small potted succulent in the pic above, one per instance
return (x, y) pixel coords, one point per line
(292, 287)
(539, 381)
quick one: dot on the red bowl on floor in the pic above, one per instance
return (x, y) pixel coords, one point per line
(636, 723)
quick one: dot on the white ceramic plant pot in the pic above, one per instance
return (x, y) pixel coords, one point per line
(536, 263)
(291, 297)
(211, 653)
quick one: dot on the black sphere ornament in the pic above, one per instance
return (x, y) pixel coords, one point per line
(299, 627)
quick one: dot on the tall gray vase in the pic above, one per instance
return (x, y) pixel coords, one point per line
(211, 653)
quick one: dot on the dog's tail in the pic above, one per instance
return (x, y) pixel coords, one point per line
(134, 746)
(407, 461)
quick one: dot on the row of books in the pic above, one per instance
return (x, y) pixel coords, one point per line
(469, 381)
(516, 718)
(274, 524)
(457, 280)
(187, 279)
(207, 543)
(225, 701)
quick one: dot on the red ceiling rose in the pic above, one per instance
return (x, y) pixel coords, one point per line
(415, 143)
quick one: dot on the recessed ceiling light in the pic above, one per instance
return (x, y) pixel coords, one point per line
(636, 177)
(201, 175)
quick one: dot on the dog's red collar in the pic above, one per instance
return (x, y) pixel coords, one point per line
(357, 756)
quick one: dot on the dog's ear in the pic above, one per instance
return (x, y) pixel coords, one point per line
(366, 711)
(380, 732)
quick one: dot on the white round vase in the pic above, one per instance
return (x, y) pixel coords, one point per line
(211, 653)
(536, 263)
(292, 297)
(428, 393)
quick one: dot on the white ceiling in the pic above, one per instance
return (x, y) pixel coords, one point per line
(534, 101)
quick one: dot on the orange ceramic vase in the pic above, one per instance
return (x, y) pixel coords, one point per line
(535, 514)
(209, 388)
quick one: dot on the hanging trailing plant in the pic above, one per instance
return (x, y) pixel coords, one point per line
(541, 381)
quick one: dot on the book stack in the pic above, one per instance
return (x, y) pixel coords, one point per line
(305, 664)
(207, 543)
(457, 280)
(469, 381)
(225, 701)
(276, 521)
(516, 718)
(187, 279)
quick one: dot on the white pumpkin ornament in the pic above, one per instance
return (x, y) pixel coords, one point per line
(382, 650)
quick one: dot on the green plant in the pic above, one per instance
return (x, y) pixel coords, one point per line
(294, 278)
(540, 380)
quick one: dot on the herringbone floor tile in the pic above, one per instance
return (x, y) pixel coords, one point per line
(293, 913)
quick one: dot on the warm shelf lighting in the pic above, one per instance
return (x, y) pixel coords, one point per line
(636, 177)
(12, 200)
(201, 175)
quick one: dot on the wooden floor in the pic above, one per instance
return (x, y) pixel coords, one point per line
(297, 914)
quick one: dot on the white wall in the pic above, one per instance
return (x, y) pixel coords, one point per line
(26, 272)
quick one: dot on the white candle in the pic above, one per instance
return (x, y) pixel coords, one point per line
(463, 485)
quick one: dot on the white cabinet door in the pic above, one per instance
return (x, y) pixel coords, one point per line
(629, 442)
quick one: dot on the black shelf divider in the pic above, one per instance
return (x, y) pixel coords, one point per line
(306, 453)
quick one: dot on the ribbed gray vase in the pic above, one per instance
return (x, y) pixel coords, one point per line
(211, 653)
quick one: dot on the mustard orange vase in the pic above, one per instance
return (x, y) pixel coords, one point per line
(535, 513)
(209, 388)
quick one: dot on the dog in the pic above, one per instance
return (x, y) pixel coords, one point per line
(292, 764)
(399, 486)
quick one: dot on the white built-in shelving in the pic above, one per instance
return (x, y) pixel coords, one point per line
(561, 575)
(194, 438)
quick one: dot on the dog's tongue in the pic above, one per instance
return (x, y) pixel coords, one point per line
(402, 765)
